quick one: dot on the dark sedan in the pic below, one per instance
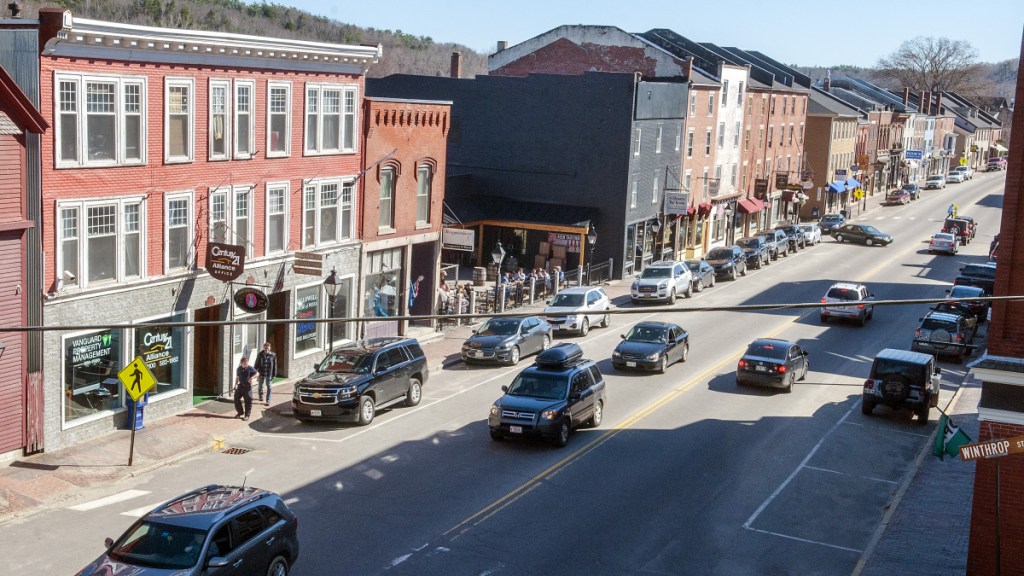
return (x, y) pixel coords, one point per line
(980, 309)
(863, 233)
(773, 363)
(728, 261)
(702, 275)
(652, 346)
(505, 340)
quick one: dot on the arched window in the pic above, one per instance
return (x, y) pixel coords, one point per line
(424, 189)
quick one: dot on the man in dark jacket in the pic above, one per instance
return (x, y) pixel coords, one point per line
(266, 363)
(243, 388)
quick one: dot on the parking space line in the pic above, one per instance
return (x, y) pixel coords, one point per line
(112, 499)
(798, 539)
(828, 471)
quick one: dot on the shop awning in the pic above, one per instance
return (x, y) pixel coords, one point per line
(703, 209)
(852, 183)
(837, 187)
(496, 211)
(750, 206)
(1000, 148)
(691, 211)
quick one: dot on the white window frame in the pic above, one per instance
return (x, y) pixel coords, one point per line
(721, 135)
(420, 168)
(82, 275)
(177, 82)
(688, 179)
(190, 257)
(739, 95)
(287, 86)
(392, 209)
(657, 139)
(271, 186)
(342, 182)
(679, 138)
(632, 194)
(230, 194)
(689, 143)
(225, 85)
(707, 183)
(239, 85)
(656, 196)
(346, 91)
(636, 142)
(711, 104)
(693, 104)
(725, 93)
(736, 136)
(81, 120)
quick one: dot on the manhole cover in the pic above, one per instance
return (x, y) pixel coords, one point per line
(236, 451)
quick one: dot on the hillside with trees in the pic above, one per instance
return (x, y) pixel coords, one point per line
(403, 53)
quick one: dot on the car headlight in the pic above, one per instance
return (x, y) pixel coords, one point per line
(549, 414)
(654, 356)
(494, 409)
(347, 391)
(506, 345)
(616, 354)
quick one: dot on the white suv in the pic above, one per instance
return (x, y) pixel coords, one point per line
(848, 300)
(577, 309)
(662, 281)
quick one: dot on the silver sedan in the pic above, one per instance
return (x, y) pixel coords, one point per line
(942, 242)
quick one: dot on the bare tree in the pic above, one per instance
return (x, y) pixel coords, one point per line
(931, 64)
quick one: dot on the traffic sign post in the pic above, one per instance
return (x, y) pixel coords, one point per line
(137, 380)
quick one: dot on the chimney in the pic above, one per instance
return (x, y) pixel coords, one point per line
(502, 45)
(456, 71)
(15, 8)
(926, 103)
(827, 84)
(906, 96)
(938, 103)
(689, 68)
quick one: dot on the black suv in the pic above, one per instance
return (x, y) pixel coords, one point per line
(902, 379)
(355, 381)
(216, 529)
(560, 392)
(756, 251)
(795, 234)
(728, 261)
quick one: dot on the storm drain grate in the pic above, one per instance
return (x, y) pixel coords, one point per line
(235, 451)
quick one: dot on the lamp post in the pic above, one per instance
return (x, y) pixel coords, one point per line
(497, 255)
(332, 285)
(655, 229)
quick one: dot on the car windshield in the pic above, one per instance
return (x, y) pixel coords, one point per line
(832, 218)
(870, 229)
(539, 385)
(720, 254)
(159, 546)
(499, 327)
(807, 227)
(953, 174)
(935, 178)
(976, 270)
(965, 292)
(567, 300)
(752, 243)
(656, 272)
(766, 350)
(650, 334)
(947, 237)
(693, 265)
(347, 361)
(843, 294)
(912, 372)
(910, 186)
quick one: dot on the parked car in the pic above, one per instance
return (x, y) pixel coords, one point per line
(961, 309)
(358, 379)
(998, 163)
(662, 281)
(773, 363)
(728, 261)
(913, 189)
(702, 274)
(577, 309)
(652, 345)
(943, 242)
(960, 227)
(558, 393)
(944, 334)
(777, 242)
(898, 196)
(863, 233)
(902, 380)
(812, 234)
(972, 225)
(967, 171)
(847, 301)
(980, 275)
(955, 176)
(506, 340)
(794, 235)
(936, 181)
(212, 530)
(964, 291)
(755, 250)
(830, 222)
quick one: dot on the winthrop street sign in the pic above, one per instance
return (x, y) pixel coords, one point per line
(992, 449)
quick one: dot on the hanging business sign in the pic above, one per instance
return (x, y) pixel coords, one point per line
(781, 181)
(840, 173)
(914, 154)
(760, 188)
(677, 203)
(460, 239)
(225, 262)
(251, 300)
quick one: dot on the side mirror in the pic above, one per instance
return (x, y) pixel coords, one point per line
(575, 396)
(474, 330)
(623, 336)
(217, 562)
(938, 370)
(920, 319)
(504, 388)
(108, 542)
(805, 353)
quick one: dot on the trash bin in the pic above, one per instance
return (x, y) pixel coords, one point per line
(134, 421)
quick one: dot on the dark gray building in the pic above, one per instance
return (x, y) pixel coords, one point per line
(541, 161)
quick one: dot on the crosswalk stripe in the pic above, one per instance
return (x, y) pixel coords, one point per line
(138, 512)
(112, 499)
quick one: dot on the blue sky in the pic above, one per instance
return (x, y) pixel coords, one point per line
(803, 32)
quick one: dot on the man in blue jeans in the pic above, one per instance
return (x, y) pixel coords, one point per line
(266, 363)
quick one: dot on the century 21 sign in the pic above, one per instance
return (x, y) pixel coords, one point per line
(225, 262)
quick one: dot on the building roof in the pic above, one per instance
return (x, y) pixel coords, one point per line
(822, 103)
(20, 114)
(468, 210)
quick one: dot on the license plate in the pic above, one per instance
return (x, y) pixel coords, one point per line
(631, 364)
(316, 413)
(515, 429)
(760, 368)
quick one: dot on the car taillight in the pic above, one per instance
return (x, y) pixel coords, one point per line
(959, 337)
(917, 333)
(824, 301)
(742, 364)
(781, 368)
(869, 383)
(861, 306)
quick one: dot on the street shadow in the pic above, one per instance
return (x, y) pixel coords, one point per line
(992, 201)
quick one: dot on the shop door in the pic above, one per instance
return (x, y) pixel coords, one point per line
(248, 339)
(207, 365)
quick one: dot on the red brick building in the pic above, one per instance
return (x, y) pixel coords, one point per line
(20, 401)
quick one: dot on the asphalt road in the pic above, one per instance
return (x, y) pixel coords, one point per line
(688, 474)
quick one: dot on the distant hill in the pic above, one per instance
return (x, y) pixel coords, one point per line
(403, 53)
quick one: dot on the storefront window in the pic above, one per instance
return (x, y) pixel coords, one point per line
(384, 268)
(341, 309)
(162, 348)
(91, 363)
(307, 305)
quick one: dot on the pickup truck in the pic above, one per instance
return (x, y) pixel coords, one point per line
(981, 275)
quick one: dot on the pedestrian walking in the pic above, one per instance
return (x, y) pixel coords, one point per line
(243, 388)
(266, 364)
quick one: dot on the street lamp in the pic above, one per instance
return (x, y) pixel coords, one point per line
(497, 255)
(333, 285)
(592, 236)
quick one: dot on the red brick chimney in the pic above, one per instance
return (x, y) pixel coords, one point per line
(938, 103)
(456, 71)
(906, 96)
(926, 103)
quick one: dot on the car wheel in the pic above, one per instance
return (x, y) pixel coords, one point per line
(663, 365)
(785, 253)
(585, 327)
(367, 410)
(562, 438)
(686, 352)
(869, 241)
(689, 291)
(839, 238)
(415, 393)
(922, 414)
(700, 285)
(713, 279)
(744, 272)
(789, 385)
(598, 416)
(546, 343)
(862, 320)
(824, 319)
(767, 260)
(733, 275)
(606, 320)
(672, 296)
(866, 407)
(497, 436)
(513, 356)
(278, 567)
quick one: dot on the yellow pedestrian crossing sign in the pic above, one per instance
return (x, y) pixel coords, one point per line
(963, 161)
(136, 378)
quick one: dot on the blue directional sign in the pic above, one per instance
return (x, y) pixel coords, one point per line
(915, 154)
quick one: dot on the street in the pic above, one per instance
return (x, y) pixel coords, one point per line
(688, 474)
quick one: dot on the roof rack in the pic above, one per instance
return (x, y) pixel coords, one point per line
(560, 356)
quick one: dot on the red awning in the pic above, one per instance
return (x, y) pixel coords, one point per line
(703, 209)
(750, 206)
(691, 211)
